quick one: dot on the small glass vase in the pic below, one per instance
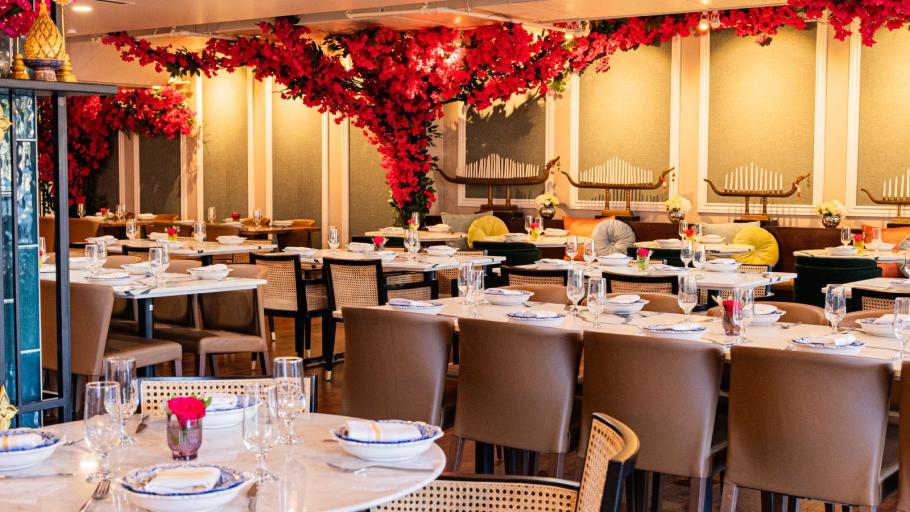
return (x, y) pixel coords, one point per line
(547, 212)
(378, 247)
(831, 221)
(675, 215)
(184, 439)
(730, 329)
(643, 263)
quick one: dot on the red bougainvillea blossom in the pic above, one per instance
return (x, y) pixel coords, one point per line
(394, 84)
(90, 121)
(16, 17)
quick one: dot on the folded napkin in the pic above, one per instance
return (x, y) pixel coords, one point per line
(408, 303)
(102, 239)
(833, 340)
(222, 402)
(615, 256)
(624, 299)
(553, 261)
(505, 291)
(359, 430)
(360, 247)
(218, 267)
(19, 441)
(184, 480)
(678, 327)
(722, 261)
(534, 314)
(764, 309)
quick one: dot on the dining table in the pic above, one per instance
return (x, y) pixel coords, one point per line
(425, 236)
(423, 262)
(305, 480)
(542, 241)
(205, 251)
(722, 249)
(882, 256)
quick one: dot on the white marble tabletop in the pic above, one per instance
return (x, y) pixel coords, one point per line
(192, 248)
(542, 240)
(425, 236)
(305, 481)
(713, 249)
(867, 254)
(705, 279)
(402, 263)
(175, 284)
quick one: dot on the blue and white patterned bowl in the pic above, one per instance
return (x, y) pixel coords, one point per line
(388, 451)
(527, 318)
(228, 417)
(433, 308)
(22, 458)
(229, 486)
(500, 297)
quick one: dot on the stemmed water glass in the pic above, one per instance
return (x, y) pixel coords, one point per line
(835, 305)
(199, 231)
(291, 399)
(334, 240)
(257, 217)
(683, 226)
(122, 370)
(686, 253)
(261, 425)
(571, 247)
(596, 298)
(588, 252)
(901, 324)
(476, 290)
(743, 311)
(102, 425)
(132, 229)
(211, 215)
(698, 256)
(465, 274)
(91, 257)
(575, 287)
(846, 236)
(687, 297)
(412, 243)
(529, 219)
(80, 210)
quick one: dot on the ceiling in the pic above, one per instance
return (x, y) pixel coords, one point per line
(210, 16)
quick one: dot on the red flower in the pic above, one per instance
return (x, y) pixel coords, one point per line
(103, 211)
(378, 241)
(235, 216)
(690, 232)
(186, 408)
(171, 231)
(858, 237)
(643, 253)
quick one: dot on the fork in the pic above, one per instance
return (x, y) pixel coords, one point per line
(99, 493)
(788, 326)
(361, 469)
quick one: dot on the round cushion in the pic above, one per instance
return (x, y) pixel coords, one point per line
(765, 250)
(611, 236)
(485, 226)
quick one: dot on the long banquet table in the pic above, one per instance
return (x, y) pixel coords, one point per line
(305, 481)
(884, 256)
(193, 249)
(402, 263)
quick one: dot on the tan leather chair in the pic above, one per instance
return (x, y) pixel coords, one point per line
(47, 228)
(794, 312)
(231, 322)
(213, 231)
(550, 293)
(660, 302)
(179, 309)
(83, 228)
(167, 217)
(297, 237)
(666, 391)
(395, 366)
(807, 424)
(850, 319)
(516, 386)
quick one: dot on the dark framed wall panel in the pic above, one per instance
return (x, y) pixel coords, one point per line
(296, 160)
(107, 178)
(225, 143)
(368, 192)
(159, 174)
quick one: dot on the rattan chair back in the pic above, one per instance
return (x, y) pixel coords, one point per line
(518, 275)
(154, 392)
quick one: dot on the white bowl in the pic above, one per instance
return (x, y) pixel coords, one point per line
(844, 250)
(869, 326)
(729, 267)
(15, 460)
(613, 262)
(669, 243)
(441, 250)
(217, 275)
(388, 451)
(226, 418)
(711, 239)
(439, 228)
(178, 502)
(624, 309)
(767, 319)
(656, 330)
(553, 321)
(140, 269)
(230, 240)
(386, 255)
(512, 299)
(282, 223)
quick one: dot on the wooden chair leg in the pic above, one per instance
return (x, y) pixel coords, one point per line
(200, 361)
(264, 369)
(328, 345)
(829, 507)
(730, 494)
(642, 484)
(459, 453)
(308, 334)
(178, 367)
(560, 464)
(697, 488)
(630, 492)
(792, 504)
(299, 328)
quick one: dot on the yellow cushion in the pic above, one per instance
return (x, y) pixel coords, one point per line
(765, 250)
(485, 226)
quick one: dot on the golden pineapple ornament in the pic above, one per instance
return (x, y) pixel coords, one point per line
(65, 73)
(44, 48)
(7, 410)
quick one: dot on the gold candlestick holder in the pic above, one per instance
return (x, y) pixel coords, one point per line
(625, 178)
(496, 171)
(899, 201)
(749, 185)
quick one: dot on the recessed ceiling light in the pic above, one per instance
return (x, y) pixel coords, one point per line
(82, 8)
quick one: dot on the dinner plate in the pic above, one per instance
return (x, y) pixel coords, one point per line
(517, 317)
(439, 228)
(613, 262)
(721, 268)
(497, 297)
(664, 330)
(229, 486)
(22, 458)
(230, 240)
(869, 326)
(388, 451)
(107, 277)
(821, 347)
(624, 309)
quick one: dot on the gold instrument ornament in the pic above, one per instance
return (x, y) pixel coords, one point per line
(7, 410)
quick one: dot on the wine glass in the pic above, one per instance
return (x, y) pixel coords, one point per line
(102, 425)
(199, 231)
(211, 214)
(687, 298)
(529, 219)
(596, 297)
(291, 400)
(575, 287)
(743, 310)
(686, 253)
(698, 256)
(101, 255)
(91, 257)
(157, 264)
(465, 274)
(846, 236)
(698, 231)
(588, 252)
(902, 324)
(334, 240)
(835, 305)
(42, 251)
(476, 289)
(571, 247)
(132, 229)
(257, 217)
(412, 243)
(261, 425)
(80, 210)
(683, 226)
(121, 211)
(122, 370)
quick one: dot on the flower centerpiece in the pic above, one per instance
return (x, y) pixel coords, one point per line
(643, 259)
(729, 305)
(184, 425)
(235, 216)
(859, 241)
(546, 205)
(535, 228)
(413, 224)
(172, 233)
(831, 212)
(677, 207)
(379, 243)
(104, 212)
(690, 233)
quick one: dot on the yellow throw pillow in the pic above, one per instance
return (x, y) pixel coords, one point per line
(765, 250)
(485, 226)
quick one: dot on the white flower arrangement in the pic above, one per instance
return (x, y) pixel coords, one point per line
(834, 207)
(678, 203)
(546, 200)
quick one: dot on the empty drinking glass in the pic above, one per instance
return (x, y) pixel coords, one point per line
(199, 231)
(687, 298)
(122, 370)
(132, 229)
(743, 310)
(476, 290)
(835, 305)
(91, 258)
(100, 255)
(902, 324)
(80, 210)
(334, 240)
(465, 274)
(257, 217)
(412, 242)
(121, 211)
(588, 252)
(846, 236)
(575, 287)
(158, 264)
(686, 253)
(102, 425)
(698, 256)
(261, 425)
(211, 215)
(683, 226)
(571, 246)
(289, 395)
(597, 289)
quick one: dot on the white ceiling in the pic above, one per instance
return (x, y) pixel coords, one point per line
(232, 15)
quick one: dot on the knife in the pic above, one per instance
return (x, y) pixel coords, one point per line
(44, 475)
(143, 423)
(251, 497)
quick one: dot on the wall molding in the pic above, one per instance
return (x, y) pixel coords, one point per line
(250, 145)
(325, 179)
(200, 152)
(345, 180)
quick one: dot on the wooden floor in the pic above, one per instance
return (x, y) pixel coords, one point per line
(675, 491)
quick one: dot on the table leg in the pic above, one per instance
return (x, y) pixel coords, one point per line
(146, 320)
(205, 259)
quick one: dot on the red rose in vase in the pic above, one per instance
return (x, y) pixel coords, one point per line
(643, 253)
(235, 216)
(172, 231)
(103, 211)
(186, 408)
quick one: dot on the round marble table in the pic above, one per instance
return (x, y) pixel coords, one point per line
(305, 481)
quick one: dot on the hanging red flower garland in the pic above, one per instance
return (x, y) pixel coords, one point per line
(90, 121)
(16, 17)
(394, 84)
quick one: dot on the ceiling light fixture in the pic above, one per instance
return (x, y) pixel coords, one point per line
(704, 24)
(83, 8)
